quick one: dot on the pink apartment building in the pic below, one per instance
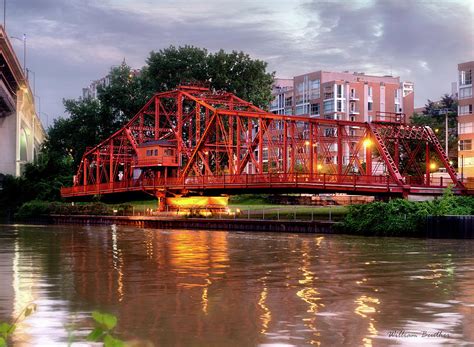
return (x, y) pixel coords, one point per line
(466, 119)
(342, 95)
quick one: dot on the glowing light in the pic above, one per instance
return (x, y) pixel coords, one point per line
(198, 202)
(433, 166)
(266, 315)
(306, 143)
(451, 162)
(436, 130)
(366, 305)
(367, 142)
(320, 166)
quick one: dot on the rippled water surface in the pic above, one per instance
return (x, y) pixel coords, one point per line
(208, 288)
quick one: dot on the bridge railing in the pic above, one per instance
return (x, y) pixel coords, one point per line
(265, 180)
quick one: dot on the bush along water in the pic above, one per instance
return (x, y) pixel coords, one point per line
(37, 208)
(400, 217)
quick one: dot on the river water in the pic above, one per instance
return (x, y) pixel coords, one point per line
(209, 288)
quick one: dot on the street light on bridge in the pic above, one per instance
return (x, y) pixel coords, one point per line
(24, 51)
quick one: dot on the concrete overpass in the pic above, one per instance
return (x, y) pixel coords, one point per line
(21, 131)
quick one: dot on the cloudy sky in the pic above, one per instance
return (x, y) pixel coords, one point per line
(72, 42)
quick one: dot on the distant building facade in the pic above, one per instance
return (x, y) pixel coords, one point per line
(91, 92)
(342, 95)
(21, 131)
(466, 119)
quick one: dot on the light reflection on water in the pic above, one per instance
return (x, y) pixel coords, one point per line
(235, 289)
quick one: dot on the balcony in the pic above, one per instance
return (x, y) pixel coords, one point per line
(328, 96)
(354, 111)
(353, 97)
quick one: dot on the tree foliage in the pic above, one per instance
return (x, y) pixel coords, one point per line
(436, 120)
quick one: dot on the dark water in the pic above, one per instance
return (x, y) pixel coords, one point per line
(200, 288)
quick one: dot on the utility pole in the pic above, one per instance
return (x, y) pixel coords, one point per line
(445, 111)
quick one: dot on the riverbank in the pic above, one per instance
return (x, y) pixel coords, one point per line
(227, 224)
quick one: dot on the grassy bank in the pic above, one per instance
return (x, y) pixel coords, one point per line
(394, 218)
(248, 207)
(401, 217)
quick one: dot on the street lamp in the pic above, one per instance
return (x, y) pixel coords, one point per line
(24, 51)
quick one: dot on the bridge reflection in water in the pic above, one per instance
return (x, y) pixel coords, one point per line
(218, 288)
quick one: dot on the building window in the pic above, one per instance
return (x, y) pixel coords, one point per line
(168, 152)
(328, 106)
(465, 145)
(315, 89)
(465, 77)
(274, 102)
(370, 106)
(370, 91)
(465, 128)
(353, 118)
(467, 109)
(300, 87)
(289, 101)
(467, 162)
(339, 91)
(465, 93)
(299, 110)
(314, 108)
(353, 93)
(156, 152)
(329, 132)
(340, 107)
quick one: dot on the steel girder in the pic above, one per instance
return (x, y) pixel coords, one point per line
(217, 133)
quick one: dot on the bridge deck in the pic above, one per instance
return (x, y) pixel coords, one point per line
(355, 184)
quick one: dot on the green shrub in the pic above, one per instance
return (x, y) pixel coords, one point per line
(33, 208)
(401, 217)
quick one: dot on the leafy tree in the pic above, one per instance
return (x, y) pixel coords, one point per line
(235, 72)
(123, 97)
(172, 66)
(432, 117)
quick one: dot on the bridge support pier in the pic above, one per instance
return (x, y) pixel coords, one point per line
(161, 196)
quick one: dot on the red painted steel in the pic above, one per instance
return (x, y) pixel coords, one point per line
(222, 143)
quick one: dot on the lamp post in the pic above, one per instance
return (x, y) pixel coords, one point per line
(24, 52)
(445, 111)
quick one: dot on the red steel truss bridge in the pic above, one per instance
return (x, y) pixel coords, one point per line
(196, 141)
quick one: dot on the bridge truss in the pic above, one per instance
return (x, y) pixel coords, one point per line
(225, 144)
